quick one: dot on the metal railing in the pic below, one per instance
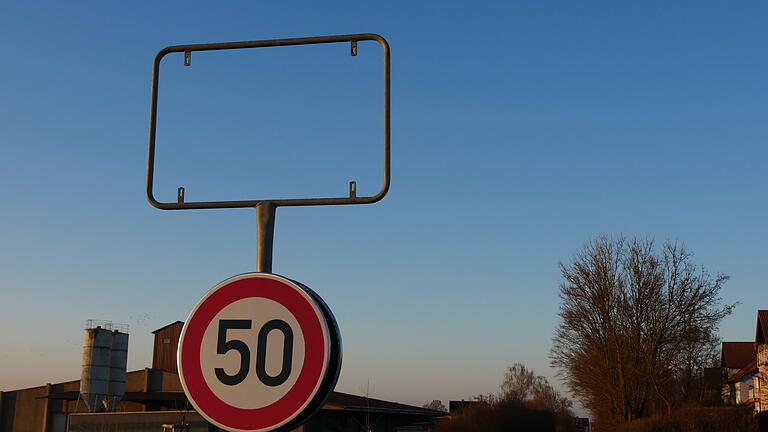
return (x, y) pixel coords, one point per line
(107, 325)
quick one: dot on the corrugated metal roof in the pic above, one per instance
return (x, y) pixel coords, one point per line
(336, 401)
(352, 402)
(166, 326)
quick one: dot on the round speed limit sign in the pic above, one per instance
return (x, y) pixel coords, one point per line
(259, 352)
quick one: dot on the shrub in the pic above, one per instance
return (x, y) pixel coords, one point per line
(702, 419)
(505, 415)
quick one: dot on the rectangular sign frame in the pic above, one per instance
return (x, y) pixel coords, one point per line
(181, 204)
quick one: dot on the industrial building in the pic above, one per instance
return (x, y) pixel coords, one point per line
(153, 397)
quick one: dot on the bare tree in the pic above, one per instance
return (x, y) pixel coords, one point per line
(634, 322)
(436, 405)
(523, 385)
(519, 382)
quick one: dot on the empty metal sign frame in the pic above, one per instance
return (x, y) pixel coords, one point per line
(265, 209)
(181, 204)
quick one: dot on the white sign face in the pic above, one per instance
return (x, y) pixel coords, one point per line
(258, 352)
(282, 348)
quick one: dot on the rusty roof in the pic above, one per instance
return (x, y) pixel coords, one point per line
(169, 325)
(737, 355)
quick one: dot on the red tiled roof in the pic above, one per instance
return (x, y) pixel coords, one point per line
(762, 326)
(748, 369)
(737, 355)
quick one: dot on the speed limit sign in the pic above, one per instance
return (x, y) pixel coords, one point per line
(259, 352)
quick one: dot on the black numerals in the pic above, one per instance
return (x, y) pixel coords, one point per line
(223, 346)
(261, 353)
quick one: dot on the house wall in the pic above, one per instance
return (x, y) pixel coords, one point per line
(761, 386)
(729, 389)
(744, 389)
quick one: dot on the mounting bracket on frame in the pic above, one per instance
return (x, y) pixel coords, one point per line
(265, 209)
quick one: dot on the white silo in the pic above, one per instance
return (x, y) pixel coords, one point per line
(118, 360)
(94, 377)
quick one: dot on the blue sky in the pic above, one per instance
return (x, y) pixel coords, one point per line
(519, 131)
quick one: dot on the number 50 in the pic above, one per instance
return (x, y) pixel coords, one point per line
(223, 346)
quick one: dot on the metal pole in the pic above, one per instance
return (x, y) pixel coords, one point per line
(265, 234)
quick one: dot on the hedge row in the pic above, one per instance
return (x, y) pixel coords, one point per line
(703, 419)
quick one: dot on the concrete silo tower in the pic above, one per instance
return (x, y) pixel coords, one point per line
(105, 353)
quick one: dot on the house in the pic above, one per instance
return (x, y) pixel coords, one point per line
(742, 385)
(761, 345)
(734, 358)
(744, 367)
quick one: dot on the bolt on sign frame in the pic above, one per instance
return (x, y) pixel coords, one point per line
(265, 209)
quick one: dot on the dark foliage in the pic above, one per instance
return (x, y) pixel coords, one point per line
(505, 415)
(703, 419)
(526, 402)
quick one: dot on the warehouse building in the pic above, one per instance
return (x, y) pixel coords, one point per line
(154, 397)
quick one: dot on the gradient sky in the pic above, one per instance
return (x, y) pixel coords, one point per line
(519, 131)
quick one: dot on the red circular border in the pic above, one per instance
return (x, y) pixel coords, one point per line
(303, 389)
